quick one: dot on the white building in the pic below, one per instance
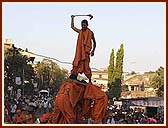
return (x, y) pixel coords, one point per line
(100, 78)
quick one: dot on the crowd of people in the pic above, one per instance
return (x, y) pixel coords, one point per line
(124, 115)
(28, 109)
(38, 109)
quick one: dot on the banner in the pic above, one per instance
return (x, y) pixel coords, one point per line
(18, 80)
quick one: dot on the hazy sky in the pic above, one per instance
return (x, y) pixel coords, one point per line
(44, 28)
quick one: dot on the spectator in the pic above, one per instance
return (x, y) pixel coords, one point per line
(13, 108)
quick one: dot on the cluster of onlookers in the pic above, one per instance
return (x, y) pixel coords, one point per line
(28, 109)
(38, 109)
(124, 115)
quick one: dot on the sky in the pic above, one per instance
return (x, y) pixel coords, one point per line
(44, 28)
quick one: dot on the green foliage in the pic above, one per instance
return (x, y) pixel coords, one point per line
(115, 72)
(119, 63)
(115, 89)
(14, 64)
(160, 73)
(111, 67)
(160, 91)
(125, 88)
(157, 81)
(50, 74)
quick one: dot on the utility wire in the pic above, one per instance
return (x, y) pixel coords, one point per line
(50, 58)
(63, 62)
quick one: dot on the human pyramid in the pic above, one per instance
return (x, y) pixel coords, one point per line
(78, 101)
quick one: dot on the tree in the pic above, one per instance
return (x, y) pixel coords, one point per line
(111, 68)
(160, 91)
(115, 85)
(50, 74)
(157, 81)
(116, 88)
(16, 65)
(118, 70)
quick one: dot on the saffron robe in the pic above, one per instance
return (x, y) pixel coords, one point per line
(73, 103)
(82, 55)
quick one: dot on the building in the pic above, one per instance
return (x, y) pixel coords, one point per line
(145, 101)
(8, 43)
(150, 105)
(139, 85)
(100, 78)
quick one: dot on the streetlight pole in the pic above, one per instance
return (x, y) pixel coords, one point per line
(23, 79)
(13, 73)
(23, 75)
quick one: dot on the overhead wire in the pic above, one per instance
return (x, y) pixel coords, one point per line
(63, 62)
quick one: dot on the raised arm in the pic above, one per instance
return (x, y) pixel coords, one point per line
(72, 24)
(94, 44)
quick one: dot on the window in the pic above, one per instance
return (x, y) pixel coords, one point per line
(132, 88)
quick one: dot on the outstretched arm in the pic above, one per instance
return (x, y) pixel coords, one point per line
(94, 44)
(72, 24)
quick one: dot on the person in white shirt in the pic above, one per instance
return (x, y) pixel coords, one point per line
(13, 108)
(45, 105)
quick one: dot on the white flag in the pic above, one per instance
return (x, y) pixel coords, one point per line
(18, 80)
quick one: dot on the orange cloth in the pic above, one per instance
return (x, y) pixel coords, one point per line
(73, 103)
(18, 110)
(84, 45)
(23, 115)
(45, 117)
(42, 119)
(19, 117)
(30, 119)
(66, 100)
(82, 54)
(99, 110)
(86, 108)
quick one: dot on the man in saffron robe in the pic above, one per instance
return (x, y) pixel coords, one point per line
(76, 102)
(83, 49)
